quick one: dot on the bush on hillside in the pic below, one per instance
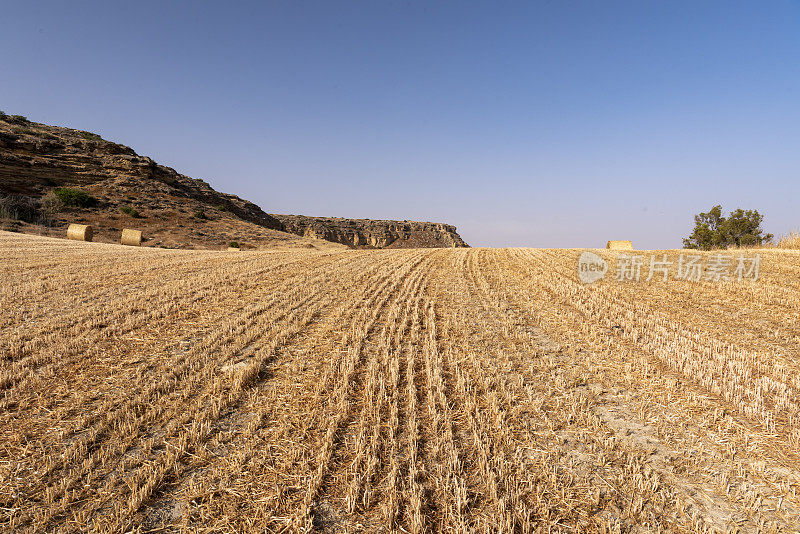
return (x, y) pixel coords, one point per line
(90, 136)
(75, 197)
(49, 206)
(19, 208)
(130, 211)
(29, 209)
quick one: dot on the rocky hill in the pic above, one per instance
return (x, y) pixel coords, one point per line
(368, 233)
(133, 191)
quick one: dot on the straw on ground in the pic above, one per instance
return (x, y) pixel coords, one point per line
(466, 390)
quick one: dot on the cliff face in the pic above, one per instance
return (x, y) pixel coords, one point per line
(368, 233)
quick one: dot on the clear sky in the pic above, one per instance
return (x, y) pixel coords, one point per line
(537, 123)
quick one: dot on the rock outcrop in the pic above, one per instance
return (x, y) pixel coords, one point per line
(35, 158)
(369, 233)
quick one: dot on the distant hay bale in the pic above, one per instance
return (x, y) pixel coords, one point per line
(619, 245)
(80, 232)
(131, 237)
(234, 249)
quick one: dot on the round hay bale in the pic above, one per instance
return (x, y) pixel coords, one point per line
(620, 245)
(234, 249)
(131, 237)
(80, 232)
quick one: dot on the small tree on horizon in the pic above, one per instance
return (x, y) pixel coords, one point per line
(742, 228)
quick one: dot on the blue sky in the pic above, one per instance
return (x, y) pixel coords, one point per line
(546, 124)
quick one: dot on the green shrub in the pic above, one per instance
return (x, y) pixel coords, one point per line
(91, 136)
(130, 211)
(233, 244)
(200, 214)
(75, 197)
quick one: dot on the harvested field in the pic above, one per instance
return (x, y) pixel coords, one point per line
(430, 390)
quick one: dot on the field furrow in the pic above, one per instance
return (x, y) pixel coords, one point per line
(464, 390)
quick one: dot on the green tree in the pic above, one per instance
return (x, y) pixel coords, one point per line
(742, 228)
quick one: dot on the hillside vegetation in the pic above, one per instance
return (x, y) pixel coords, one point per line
(428, 390)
